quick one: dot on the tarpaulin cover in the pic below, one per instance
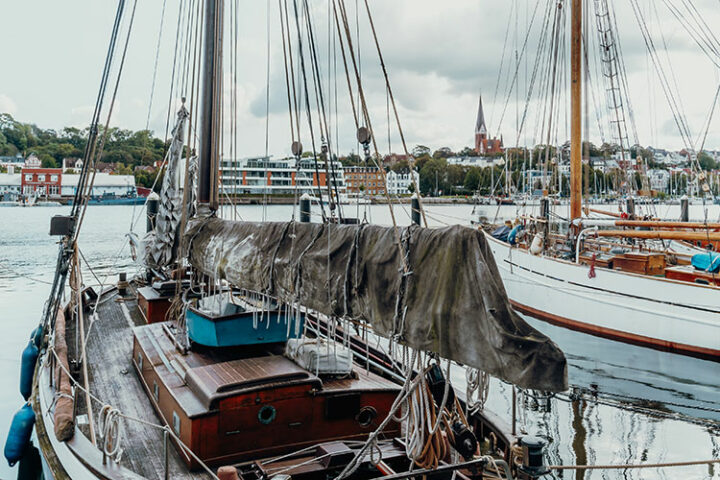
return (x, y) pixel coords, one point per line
(449, 299)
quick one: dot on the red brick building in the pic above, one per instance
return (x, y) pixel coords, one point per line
(369, 178)
(41, 181)
(483, 144)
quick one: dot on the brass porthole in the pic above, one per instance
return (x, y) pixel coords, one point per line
(366, 416)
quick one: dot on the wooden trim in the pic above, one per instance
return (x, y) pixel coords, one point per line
(625, 337)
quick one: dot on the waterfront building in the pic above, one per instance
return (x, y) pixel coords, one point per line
(40, 181)
(399, 183)
(10, 185)
(367, 180)
(265, 175)
(483, 144)
(105, 184)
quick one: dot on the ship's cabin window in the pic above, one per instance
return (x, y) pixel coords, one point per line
(176, 424)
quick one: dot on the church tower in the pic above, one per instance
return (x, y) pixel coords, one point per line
(480, 131)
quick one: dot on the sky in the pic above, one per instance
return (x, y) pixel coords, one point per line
(440, 57)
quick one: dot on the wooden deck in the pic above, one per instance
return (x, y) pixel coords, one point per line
(110, 344)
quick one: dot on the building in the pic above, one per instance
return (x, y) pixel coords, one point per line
(260, 175)
(103, 185)
(72, 164)
(399, 183)
(32, 162)
(481, 162)
(368, 180)
(483, 144)
(394, 158)
(535, 180)
(41, 182)
(658, 179)
(16, 161)
(10, 186)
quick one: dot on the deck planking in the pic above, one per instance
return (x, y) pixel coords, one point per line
(110, 345)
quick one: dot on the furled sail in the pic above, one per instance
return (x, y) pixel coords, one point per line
(448, 298)
(162, 243)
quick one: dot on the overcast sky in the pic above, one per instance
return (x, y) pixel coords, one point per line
(440, 56)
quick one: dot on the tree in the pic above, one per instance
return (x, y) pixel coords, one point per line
(443, 152)
(400, 166)
(47, 161)
(420, 150)
(706, 161)
(472, 179)
(432, 176)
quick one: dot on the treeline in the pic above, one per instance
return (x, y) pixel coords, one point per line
(125, 148)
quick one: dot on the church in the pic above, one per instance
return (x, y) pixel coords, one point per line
(483, 144)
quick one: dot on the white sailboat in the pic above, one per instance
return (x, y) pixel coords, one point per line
(640, 308)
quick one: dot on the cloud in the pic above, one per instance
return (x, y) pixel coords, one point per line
(7, 105)
(439, 56)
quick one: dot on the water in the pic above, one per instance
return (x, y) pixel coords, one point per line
(598, 433)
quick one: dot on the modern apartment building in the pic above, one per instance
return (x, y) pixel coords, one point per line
(260, 175)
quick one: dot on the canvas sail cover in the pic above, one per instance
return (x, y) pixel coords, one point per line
(448, 299)
(161, 244)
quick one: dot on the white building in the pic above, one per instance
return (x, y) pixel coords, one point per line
(260, 175)
(10, 184)
(481, 162)
(659, 179)
(399, 183)
(104, 185)
(16, 161)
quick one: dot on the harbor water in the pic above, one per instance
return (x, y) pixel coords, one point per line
(633, 405)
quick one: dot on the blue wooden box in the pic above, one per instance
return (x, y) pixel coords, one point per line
(233, 326)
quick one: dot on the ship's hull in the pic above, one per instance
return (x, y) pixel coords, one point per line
(648, 311)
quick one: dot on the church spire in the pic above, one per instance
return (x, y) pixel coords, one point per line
(480, 127)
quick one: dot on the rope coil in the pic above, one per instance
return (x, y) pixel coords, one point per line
(111, 432)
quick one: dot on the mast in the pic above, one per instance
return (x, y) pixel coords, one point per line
(576, 112)
(210, 98)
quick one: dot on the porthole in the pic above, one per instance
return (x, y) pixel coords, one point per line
(140, 361)
(156, 391)
(366, 416)
(267, 414)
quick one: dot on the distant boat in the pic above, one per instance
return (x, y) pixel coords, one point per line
(111, 199)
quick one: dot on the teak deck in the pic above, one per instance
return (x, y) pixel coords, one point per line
(228, 405)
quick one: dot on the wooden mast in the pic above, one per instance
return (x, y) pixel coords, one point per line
(576, 112)
(210, 97)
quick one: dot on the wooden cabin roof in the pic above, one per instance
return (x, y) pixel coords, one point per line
(219, 380)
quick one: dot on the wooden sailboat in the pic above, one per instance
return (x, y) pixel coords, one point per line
(244, 352)
(631, 295)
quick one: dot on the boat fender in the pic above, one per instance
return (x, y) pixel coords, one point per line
(37, 336)
(536, 247)
(27, 369)
(18, 437)
(512, 237)
(228, 473)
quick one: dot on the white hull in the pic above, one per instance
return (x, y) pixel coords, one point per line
(653, 312)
